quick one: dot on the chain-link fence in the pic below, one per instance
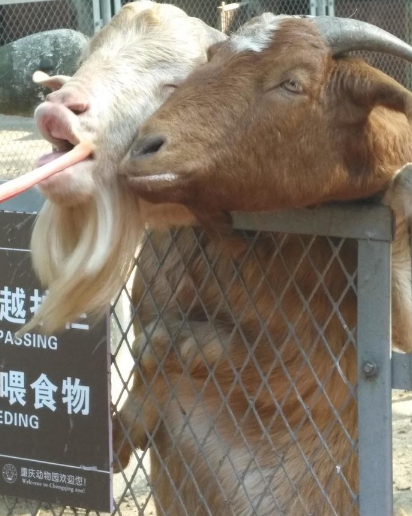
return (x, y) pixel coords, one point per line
(20, 142)
(236, 405)
(393, 16)
(18, 19)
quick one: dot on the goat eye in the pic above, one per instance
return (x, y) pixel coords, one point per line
(292, 86)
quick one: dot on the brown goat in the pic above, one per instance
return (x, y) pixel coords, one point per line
(274, 120)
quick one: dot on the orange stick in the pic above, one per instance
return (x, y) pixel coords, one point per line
(20, 184)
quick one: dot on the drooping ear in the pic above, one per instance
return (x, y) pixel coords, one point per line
(210, 36)
(213, 50)
(54, 82)
(366, 87)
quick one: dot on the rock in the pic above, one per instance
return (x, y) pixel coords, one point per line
(54, 52)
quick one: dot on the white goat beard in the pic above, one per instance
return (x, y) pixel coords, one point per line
(84, 255)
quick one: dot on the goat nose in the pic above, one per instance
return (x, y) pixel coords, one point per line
(147, 145)
(72, 102)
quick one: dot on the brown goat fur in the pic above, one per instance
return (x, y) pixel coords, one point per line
(253, 136)
(236, 139)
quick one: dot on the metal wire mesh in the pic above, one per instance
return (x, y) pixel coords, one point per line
(241, 389)
(393, 16)
(22, 19)
(233, 16)
(20, 142)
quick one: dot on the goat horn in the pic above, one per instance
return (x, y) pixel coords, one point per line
(346, 35)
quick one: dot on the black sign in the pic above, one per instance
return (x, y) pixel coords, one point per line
(55, 441)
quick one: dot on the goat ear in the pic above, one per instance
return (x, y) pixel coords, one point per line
(214, 49)
(211, 38)
(140, 12)
(54, 82)
(366, 87)
(399, 193)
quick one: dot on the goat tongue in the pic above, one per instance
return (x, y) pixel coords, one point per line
(52, 165)
(51, 156)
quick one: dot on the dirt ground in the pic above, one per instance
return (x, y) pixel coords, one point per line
(20, 146)
(402, 449)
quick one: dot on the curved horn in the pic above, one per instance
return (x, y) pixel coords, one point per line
(346, 35)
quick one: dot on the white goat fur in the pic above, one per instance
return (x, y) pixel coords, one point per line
(84, 253)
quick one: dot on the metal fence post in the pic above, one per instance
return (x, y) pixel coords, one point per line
(97, 17)
(322, 7)
(117, 6)
(106, 10)
(374, 378)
